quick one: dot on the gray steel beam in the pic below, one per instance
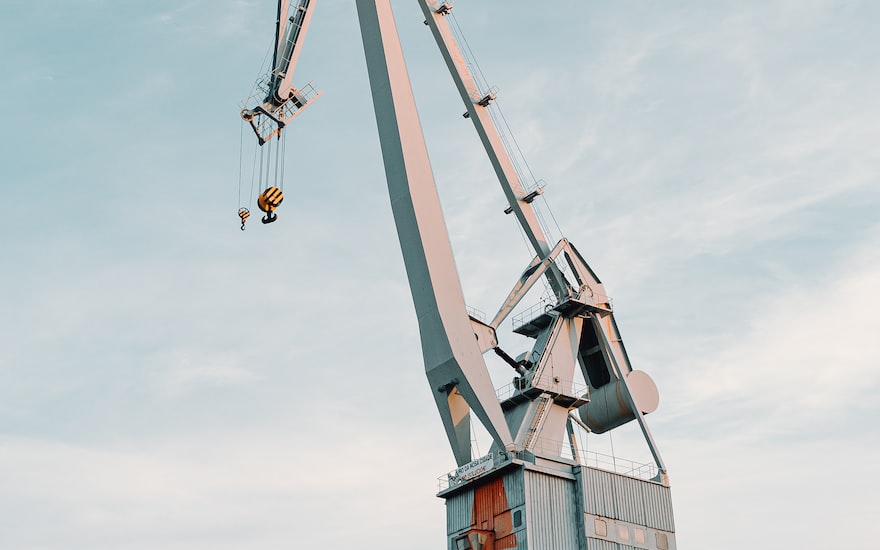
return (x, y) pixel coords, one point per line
(453, 361)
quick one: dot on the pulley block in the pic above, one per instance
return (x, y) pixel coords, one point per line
(243, 213)
(268, 201)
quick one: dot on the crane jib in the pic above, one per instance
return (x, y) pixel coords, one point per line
(288, 32)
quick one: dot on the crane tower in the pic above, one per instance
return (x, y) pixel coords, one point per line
(536, 489)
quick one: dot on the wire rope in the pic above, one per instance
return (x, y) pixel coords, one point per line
(283, 157)
(613, 454)
(253, 175)
(277, 160)
(516, 146)
(520, 164)
(583, 442)
(470, 57)
(262, 179)
(269, 153)
(550, 211)
(263, 71)
(258, 176)
(267, 178)
(543, 223)
(240, 160)
(474, 436)
(479, 75)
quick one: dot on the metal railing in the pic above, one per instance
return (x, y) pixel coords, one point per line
(585, 295)
(477, 314)
(619, 465)
(531, 313)
(548, 382)
(593, 459)
(551, 448)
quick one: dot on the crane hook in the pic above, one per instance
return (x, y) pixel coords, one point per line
(243, 213)
(268, 201)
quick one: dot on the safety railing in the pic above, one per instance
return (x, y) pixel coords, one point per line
(549, 448)
(618, 465)
(477, 314)
(610, 463)
(548, 382)
(585, 295)
(531, 313)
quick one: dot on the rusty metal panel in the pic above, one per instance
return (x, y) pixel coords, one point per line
(509, 542)
(658, 506)
(551, 512)
(599, 498)
(500, 497)
(489, 499)
(459, 511)
(483, 511)
(515, 488)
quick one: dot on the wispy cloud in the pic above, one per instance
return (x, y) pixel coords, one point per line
(805, 356)
(187, 373)
(231, 490)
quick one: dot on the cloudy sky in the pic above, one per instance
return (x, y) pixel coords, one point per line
(168, 381)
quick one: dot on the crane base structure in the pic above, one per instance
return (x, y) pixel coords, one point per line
(528, 501)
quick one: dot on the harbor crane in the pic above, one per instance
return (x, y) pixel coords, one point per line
(536, 488)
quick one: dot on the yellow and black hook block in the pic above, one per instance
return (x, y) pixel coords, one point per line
(268, 201)
(243, 213)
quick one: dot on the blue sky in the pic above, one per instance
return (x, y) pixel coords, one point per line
(169, 381)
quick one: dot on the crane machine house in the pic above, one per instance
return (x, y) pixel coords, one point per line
(537, 488)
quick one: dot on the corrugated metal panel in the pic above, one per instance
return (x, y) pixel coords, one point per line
(509, 542)
(550, 515)
(599, 496)
(630, 505)
(485, 497)
(658, 506)
(459, 511)
(627, 499)
(599, 544)
(549, 521)
(515, 488)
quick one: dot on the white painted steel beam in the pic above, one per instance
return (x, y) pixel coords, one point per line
(290, 34)
(476, 103)
(453, 361)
